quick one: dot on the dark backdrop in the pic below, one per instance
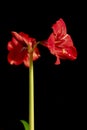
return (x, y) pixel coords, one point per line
(59, 90)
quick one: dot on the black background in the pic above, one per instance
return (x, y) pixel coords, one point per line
(60, 91)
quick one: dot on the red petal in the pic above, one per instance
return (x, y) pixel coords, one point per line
(59, 28)
(23, 37)
(36, 54)
(17, 36)
(12, 44)
(26, 38)
(51, 43)
(26, 60)
(9, 46)
(71, 53)
(66, 41)
(57, 60)
(16, 56)
(67, 53)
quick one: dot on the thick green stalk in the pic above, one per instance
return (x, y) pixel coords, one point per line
(31, 94)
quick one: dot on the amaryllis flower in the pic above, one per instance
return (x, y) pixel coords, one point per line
(20, 48)
(60, 43)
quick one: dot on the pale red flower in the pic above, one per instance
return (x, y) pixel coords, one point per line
(19, 48)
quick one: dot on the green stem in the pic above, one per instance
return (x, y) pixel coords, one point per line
(31, 94)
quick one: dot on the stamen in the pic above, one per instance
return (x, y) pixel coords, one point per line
(24, 48)
(12, 62)
(64, 51)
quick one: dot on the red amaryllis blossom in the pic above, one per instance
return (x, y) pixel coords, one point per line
(19, 48)
(60, 43)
